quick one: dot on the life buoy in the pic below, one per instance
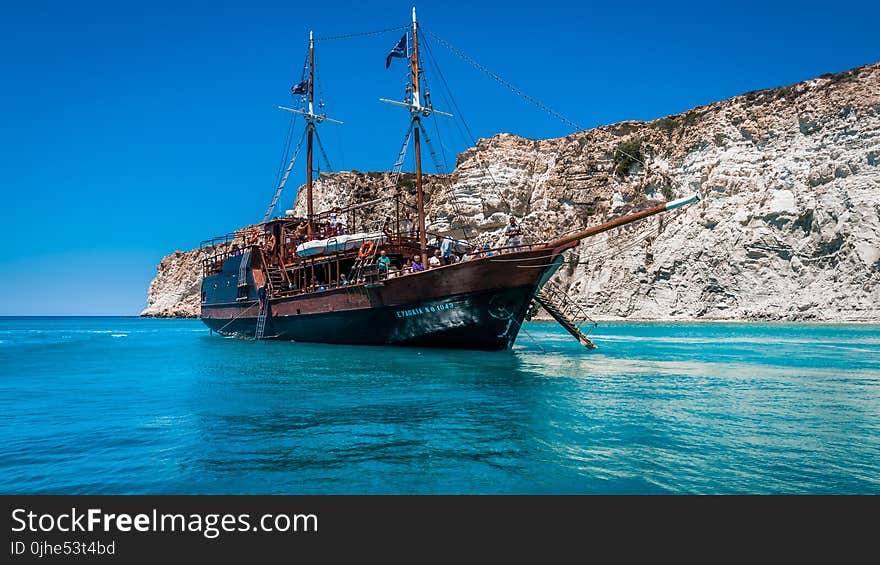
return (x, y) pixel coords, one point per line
(270, 243)
(366, 249)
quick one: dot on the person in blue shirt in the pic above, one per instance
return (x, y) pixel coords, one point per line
(417, 264)
(446, 250)
(486, 251)
(383, 263)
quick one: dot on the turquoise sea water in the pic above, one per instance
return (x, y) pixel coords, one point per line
(127, 405)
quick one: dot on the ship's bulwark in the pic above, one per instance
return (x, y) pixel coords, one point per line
(475, 305)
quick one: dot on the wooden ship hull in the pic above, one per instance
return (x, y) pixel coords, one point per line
(477, 304)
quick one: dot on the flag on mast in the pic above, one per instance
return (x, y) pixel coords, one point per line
(301, 88)
(401, 50)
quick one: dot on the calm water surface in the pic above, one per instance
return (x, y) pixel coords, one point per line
(127, 405)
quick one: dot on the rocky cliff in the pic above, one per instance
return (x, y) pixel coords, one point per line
(174, 293)
(789, 228)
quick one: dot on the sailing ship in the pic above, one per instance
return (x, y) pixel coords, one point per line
(317, 279)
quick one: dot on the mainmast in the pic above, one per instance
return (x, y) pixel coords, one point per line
(416, 123)
(310, 118)
(416, 112)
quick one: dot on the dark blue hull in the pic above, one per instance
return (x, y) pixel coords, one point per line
(484, 320)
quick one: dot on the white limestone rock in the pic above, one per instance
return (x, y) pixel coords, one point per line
(789, 228)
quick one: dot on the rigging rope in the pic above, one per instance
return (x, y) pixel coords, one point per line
(320, 87)
(469, 138)
(433, 62)
(456, 205)
(641, 236)
(362, 34)
(286, 151)
(280, 188)
(401, 157)
(442, 146)
(501, 81)
(323, 153)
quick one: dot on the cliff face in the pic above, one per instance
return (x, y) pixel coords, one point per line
(789, 228)
(174, 293)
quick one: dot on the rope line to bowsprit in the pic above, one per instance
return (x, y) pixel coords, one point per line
(362, 34)
(501, 81)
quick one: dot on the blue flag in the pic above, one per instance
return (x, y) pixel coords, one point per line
(301, 88)
(401, 50)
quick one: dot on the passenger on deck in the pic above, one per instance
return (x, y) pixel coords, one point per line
(301, 231)
(343, 281)
(340, 229)
(436, 260)
(446, 250)
(486, 250)
(417, 264)
(383, 263)
(514, 235)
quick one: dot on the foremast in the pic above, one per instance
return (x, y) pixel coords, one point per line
(310, 126)
(312, 119)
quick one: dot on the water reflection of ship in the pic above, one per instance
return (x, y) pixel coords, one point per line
(319, 279)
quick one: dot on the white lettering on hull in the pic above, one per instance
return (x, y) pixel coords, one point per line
(422, 310)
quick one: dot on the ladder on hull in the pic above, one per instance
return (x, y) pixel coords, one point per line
(261, 319)
(566, 311)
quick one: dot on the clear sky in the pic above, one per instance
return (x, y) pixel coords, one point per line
(131, 129)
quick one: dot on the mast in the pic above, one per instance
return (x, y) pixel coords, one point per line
(311, 132)
(416, 111)
(312, 120)
(416, 103)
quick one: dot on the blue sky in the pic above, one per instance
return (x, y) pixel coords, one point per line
(131, 129)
